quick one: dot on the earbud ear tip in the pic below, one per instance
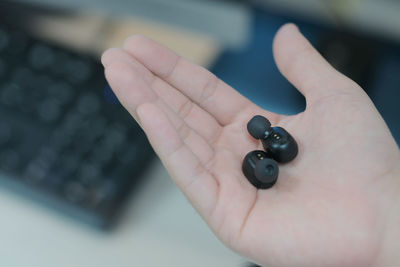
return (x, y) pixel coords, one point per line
(257, 126)
(266, 172)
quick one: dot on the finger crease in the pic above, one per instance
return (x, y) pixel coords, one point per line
(183, 131)
(209, 89)
(152, 81)
(247, 107)
(213, 141)
(169, 73)
(185, 109)
(197, 172)
(177, 150)
(246, 218)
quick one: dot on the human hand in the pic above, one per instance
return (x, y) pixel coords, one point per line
(331, 206)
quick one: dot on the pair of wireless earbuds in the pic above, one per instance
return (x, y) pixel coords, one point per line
(260, 167)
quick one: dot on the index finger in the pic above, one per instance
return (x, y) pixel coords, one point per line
(197, 83)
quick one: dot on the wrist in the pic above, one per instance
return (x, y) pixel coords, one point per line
(390, 247)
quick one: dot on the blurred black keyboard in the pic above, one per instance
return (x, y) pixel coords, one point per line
(61, 140)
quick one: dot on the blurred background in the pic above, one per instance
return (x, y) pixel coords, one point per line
(79, 184)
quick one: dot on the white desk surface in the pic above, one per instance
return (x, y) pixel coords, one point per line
(159, 228)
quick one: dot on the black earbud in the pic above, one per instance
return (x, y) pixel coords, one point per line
(277, 142)
(261, 171)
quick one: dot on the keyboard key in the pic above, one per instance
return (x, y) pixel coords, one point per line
(41, 56)
(17, 43)
(116, 135)
(36, 172)
(128, 155)
(69, 163)
(82, 144)
(23, 76)
(60, 140)
(72, 123)
(75, 192)
(9, 160)
(104, 192)
(49, 110)
(77, 70)
(58, 68)
(11, 95)
(47, 155)
(101, 154)
(41, 82)
(98, 126)
(61, 91)
(89, 103)
(89, 173)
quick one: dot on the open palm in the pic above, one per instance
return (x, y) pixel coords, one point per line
(326, 206)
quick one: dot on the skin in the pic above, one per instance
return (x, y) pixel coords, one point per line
(336, 204)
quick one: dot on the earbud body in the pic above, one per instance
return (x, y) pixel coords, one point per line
(277, 142)
(261, 171)
(280, 145)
